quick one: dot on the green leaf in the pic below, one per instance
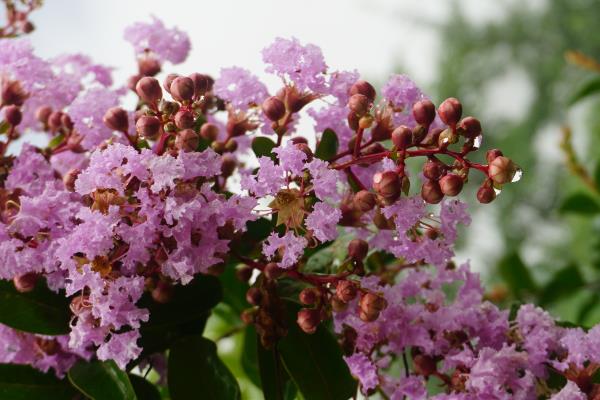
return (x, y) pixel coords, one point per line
(597, 175)
(22, 382)
(263, 146)
(249, 359)
(580, 203)
(39, 311)
(197, 372)
(144, 390)
(516, 275)
(588, 88)
(101, 380)
(56, 140)
(4, 127)
(328, 146)
(564, 282)
(142, 144)
(272, 375)
(314, 362)
(185, 314)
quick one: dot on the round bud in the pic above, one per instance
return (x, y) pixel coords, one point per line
(470, 127)
(116, 119)
(388, 185)
(309, 296)
(132, 81)
(55, 120)
(163, 292)
(491, 155)
(25, 283)
(364, 201)
(148, 89)
(218, 147)
(450, 111)
(147, 126)
(12, 92)
(486, 194)
(358, 249)
(402, 137)
(168, 107)
(424, 112)
(273, 108)
(42, 114)
(228, 164)
(243, 273)
(364, 88)
(69, 179)
(365, 122)
(254, 296)
(231, 145)
(272, 271)
(424, 365)
(202, 83)
(248, 316)
(359, 104)
(184, 119)
(431, 192)
(27, 27)
(209, 131)
(433, 170)
(502, 170)
(346, 291)
(168, 80)
(451, 184)
(182, 88)
(308, 320)
(187, 140)
(371, 306)
(13, 115)
(148, 66)
(66, 122)
(353, 120)
(299, 140)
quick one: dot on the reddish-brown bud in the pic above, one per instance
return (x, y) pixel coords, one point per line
(431, 192)
(346, 291)
(55, 120)
(424, 365)
(13, 115)
(337, 305)
(388, 185)
(42, 114)
(486, 193)
(273, 108)
(359, 104)
(381, 131)
(209, 131)
(433, 170)
(353, 120)
(450, 111)
(470, 127)
(451, 184)
(358, 249)
(364, 88)
(243, 273)
(248, 316)
(168, 80)
(371, 306)
(12, 93)
(231, 145)
(309, 296)
(272, 271)
(25, 283)
(66, 122)
(402, 137)
(424, 112)
(254, 296)
(149, 90)
(308, 320)
(148, 66)
(187, 140)
(364, 201)
(147, 126)
(491, 155)
(502, 170)
(182, 88)
(163, 292)
(202, 83)
(69, 179)
(184, 119)
(228, 165)
(117, 119)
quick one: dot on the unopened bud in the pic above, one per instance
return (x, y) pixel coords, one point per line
(353, 120)
(308, 320)
(486, 194)
(424, 112)
(69, 179)
(228, 164)
(148, 66)
(371, 306)
(491, 155)
(13, 115)
(163, 292)
(231, 145)
(182, 88)
(202, 83)
(272, 271)
(149, 90)
(243, 273)
(12, 93)
(337, 305)
(470, 127)
(273, 108)
(66, 122)
(502, 170)
(381, 131)
(218, 147)
(346, 291)
(168, 80)
(209, 131)
(388, 185)
(254, 296)
(359, 104)
(248, 316)
(450, 111)
(184, 119)
(358, 249)
(42, 114)
(433, 170)
(365, 122)
(364, 88)
(402, 137)
(25, 283)
(147, 126)
(168, 107)
(364, 201)
(451, 184)
(55, 120)
(424, 365)
(116, 119)
(187, 140)
(309, 296)
(431, 192)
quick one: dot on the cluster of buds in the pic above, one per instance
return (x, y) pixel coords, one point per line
(267, 314)
(17, 17)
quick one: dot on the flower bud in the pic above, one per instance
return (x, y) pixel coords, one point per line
(12, 93)
(359, 104)
(353, 120)
(272, 271)
(66, 122)
(273, 108)
(182, 88)
(254, 296)
(42, 114)
(248, 316)
(346, 291)
(209, 132)
(55, 120)
(450, 111)
(69, 179)
(424, 112)
(116, 119)
(25, 283)
(184, 119)
(402, 137)
(231, 145)
(502, 170)
(149, 90)
(431, 192)
(451, 184)
(424, 365)
(364, 201)
(470, 127)
(358, 249)
(168, 107)
(388, 185)
(243, 273)
(371, 306)
(308, 320)
(148, 66)
(132, 81)
(365, 122)
(381, 221)
(381, 131)
(13, 115)
(168, 80)
(486, 194)
(303, 147)
(202, 83)
(147, 126)
(337, 305)
(491, 155)
(364, 88)
(433, 170)
(309, 296)
(419, 132)
(187, 140)
(218, 147)
(163, 292)
(228, 165)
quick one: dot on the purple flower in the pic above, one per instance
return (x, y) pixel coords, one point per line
(363, 369)
(290, 158)
(289, 246)
(87, 111)
(168, 44)
(570, 392)
(240, 87)
(323, 221)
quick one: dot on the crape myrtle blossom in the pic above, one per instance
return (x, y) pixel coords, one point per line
(126, 208)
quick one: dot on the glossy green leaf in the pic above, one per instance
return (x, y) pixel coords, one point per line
(587, 89)
(263, 146)
(580, 203)
(516, 275)
(39, 311)
(197, 372)
(314, 362)
(144, 390)
(249, 359)
(4, 127)
(100, 380)
(22, 382)
(564, 282)
(56, 140)
(328, 145)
